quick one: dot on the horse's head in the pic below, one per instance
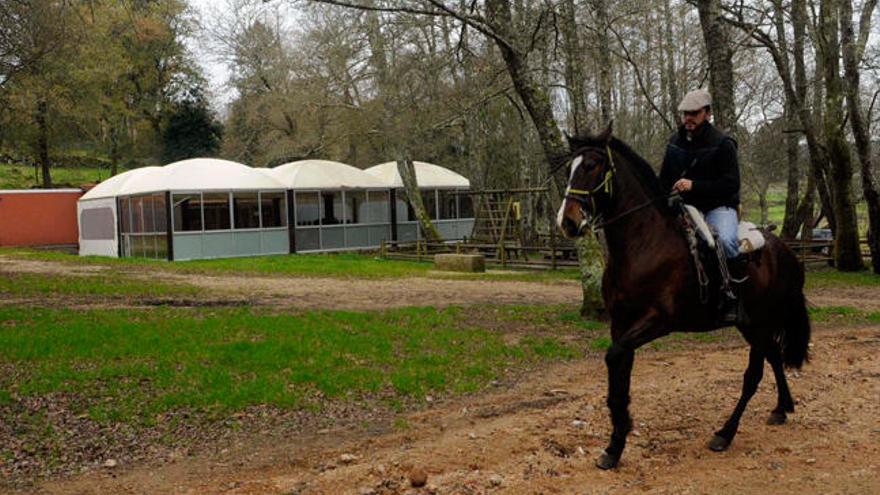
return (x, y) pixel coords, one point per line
(589, 183)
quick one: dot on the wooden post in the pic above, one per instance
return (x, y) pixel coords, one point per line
(552, 245)
(501, 247)
(291, 222)
(392, 201)
(382, 249)
(169, 226)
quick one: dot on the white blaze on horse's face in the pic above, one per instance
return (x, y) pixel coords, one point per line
(560, 215)
(574, 166)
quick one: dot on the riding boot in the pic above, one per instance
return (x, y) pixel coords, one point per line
(731, 311)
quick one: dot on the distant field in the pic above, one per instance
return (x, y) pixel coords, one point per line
(21, 177)
(776, 208)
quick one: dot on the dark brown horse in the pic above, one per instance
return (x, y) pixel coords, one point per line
(650, 285)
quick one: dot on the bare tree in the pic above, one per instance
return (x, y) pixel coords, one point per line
(853, 48)
(720, 58)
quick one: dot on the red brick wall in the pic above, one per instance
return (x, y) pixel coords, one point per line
(34, 218)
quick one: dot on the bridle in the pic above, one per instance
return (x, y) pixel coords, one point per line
(582, 195)
(586, 197)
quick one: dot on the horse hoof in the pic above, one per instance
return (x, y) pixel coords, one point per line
(719, 443)
(607, 461)
(776, 418)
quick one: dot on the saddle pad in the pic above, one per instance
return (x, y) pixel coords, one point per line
(750, 237)
(703, 229)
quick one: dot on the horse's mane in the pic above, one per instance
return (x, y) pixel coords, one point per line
(644, 173)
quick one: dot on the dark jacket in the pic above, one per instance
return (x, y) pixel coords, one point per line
(709, 160)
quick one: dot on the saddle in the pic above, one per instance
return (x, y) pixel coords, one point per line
(705, 248)
(750, 238)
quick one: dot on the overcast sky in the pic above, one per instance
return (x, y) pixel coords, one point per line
(215, 71)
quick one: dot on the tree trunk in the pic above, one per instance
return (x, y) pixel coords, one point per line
(805, 220)
(407, 172)
(720, 60)
(592, 266)
(114, 151)
(41, 118)
(762, 203)
(847, 252)
(669, 68)
(790, 221)
(574, 74)
(604, 61)
(851, 59)
(538, 106)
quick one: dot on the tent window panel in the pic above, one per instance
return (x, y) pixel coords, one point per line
(161, 247)
(187, 212)
(465, 206)
(137, 214)
(216, 209)
(125, 213)
(429, 199)
(331, 208)
(161, 216)
(376, 208)
(354, 204)
(149, 212)
(405, 211)
(447, 205)
(137, 246)
(308, 211)
(274, 208)
(246, 208)
(97, 224)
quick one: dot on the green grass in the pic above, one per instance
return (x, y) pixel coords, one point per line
(33, 284)
(20, 177)
(339, 265)
(847, 314)
(130, 365)
(833, 278)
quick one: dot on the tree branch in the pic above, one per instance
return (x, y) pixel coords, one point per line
(627, 57)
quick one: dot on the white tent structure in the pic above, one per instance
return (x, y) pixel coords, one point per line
(198, 208)
(211, 208)
(451, 210)
(336, 206)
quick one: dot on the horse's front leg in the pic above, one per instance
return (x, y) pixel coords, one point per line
(619, 360)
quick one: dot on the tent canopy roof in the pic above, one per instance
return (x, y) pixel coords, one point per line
(199, 174)
(323, 174)
(188, 175)
(427, 176)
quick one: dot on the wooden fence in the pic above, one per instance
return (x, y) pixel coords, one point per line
(507, 255)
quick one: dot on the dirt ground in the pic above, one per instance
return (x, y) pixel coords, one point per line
(542, 434)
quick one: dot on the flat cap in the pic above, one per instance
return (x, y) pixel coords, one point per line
(695, 100)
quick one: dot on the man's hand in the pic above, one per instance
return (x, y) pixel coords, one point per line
(683, 185)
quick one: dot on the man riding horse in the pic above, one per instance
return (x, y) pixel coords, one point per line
(654, 283)
(701, 165)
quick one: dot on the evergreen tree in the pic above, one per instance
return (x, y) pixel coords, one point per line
(192, 130)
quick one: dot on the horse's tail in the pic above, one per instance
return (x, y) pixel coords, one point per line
(794, 336)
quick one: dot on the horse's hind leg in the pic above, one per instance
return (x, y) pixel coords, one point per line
(784, 402)
(751, 379)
